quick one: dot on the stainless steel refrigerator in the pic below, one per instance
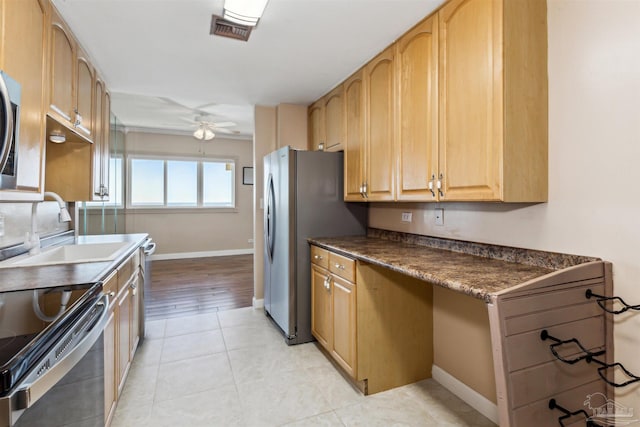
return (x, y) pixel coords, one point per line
(303, 198)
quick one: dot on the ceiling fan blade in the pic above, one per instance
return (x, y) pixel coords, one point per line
(228, 131)
(223, 124)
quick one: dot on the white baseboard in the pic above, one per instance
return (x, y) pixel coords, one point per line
(258, 303)
(466, 393)
(204, 254)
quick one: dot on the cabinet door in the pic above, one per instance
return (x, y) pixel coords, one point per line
(83, 118)
(379, 80)
(344, 324)
(63, 65)
(106, 147)
(98, 140)
(417, 126)
(23, 54)
(354, 152)
(334, 119)
(110, 368)
(471, 99)
(316, 126)
(134, 327)
(124, 321)
(321, 323)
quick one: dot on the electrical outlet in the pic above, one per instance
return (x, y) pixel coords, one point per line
(407, 216)
(439, 216)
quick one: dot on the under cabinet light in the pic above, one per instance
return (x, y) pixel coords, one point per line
(57, 138)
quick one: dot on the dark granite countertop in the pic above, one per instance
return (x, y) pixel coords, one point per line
(38, 277)
(471, 274)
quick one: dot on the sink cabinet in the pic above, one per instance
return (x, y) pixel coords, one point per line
(23, 53)
(122, 333)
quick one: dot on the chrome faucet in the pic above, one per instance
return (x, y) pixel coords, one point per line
(32, 239)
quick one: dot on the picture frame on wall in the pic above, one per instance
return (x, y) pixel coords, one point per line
(247, 176)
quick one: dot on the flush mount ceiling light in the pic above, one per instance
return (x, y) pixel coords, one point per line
(204, 133)
(244, 12)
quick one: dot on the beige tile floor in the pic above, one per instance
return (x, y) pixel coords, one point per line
(232, 368)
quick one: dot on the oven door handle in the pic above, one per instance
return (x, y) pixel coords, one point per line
(7, 138)
(30, 393)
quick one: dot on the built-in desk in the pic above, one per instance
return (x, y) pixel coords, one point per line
(483, 308)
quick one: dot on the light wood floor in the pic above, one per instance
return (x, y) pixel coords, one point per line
(186, 287)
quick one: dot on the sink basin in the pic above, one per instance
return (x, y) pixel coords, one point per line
(69, 254)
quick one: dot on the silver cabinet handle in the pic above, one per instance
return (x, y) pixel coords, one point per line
(340, 266)
(440, 184)
(327, 283)
(433, 178)
(317, 257)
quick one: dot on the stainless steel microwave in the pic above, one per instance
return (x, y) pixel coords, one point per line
(9, 127)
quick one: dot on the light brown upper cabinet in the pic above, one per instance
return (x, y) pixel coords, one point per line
(334, 119)
(493, 100)
(369, 131)
(100, 147)
(326, 122)
(354, 146)
(417, 121)
(23, 53)
(71, 81)
(84, 113)
(379, 127)
(455, 110)
(315, 126)
(62, 70)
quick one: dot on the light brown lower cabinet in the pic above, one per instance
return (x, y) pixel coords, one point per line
(372, 322)
(122, 333)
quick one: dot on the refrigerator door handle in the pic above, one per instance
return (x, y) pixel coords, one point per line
(270, 218)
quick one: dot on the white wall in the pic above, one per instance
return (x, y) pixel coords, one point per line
(207, 231)
(594, 162)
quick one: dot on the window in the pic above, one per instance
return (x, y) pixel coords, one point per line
(175, 182)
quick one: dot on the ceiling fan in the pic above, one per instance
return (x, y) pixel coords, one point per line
(206, 127)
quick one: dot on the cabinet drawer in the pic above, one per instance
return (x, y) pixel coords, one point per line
(320, 256)
(342, 266)
(110, 286)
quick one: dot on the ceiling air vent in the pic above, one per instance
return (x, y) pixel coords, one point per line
(224, 28)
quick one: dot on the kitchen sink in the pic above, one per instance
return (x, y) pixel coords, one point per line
(69, 254)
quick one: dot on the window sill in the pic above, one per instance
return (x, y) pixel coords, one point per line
(153, 211)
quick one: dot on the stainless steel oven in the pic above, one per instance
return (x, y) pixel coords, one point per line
(9, 127)
(52, 356)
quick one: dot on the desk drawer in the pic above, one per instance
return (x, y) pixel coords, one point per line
(342, 266)
(320, 257)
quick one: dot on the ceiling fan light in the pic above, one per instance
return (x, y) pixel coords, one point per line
(208, 134)
(199, 133)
